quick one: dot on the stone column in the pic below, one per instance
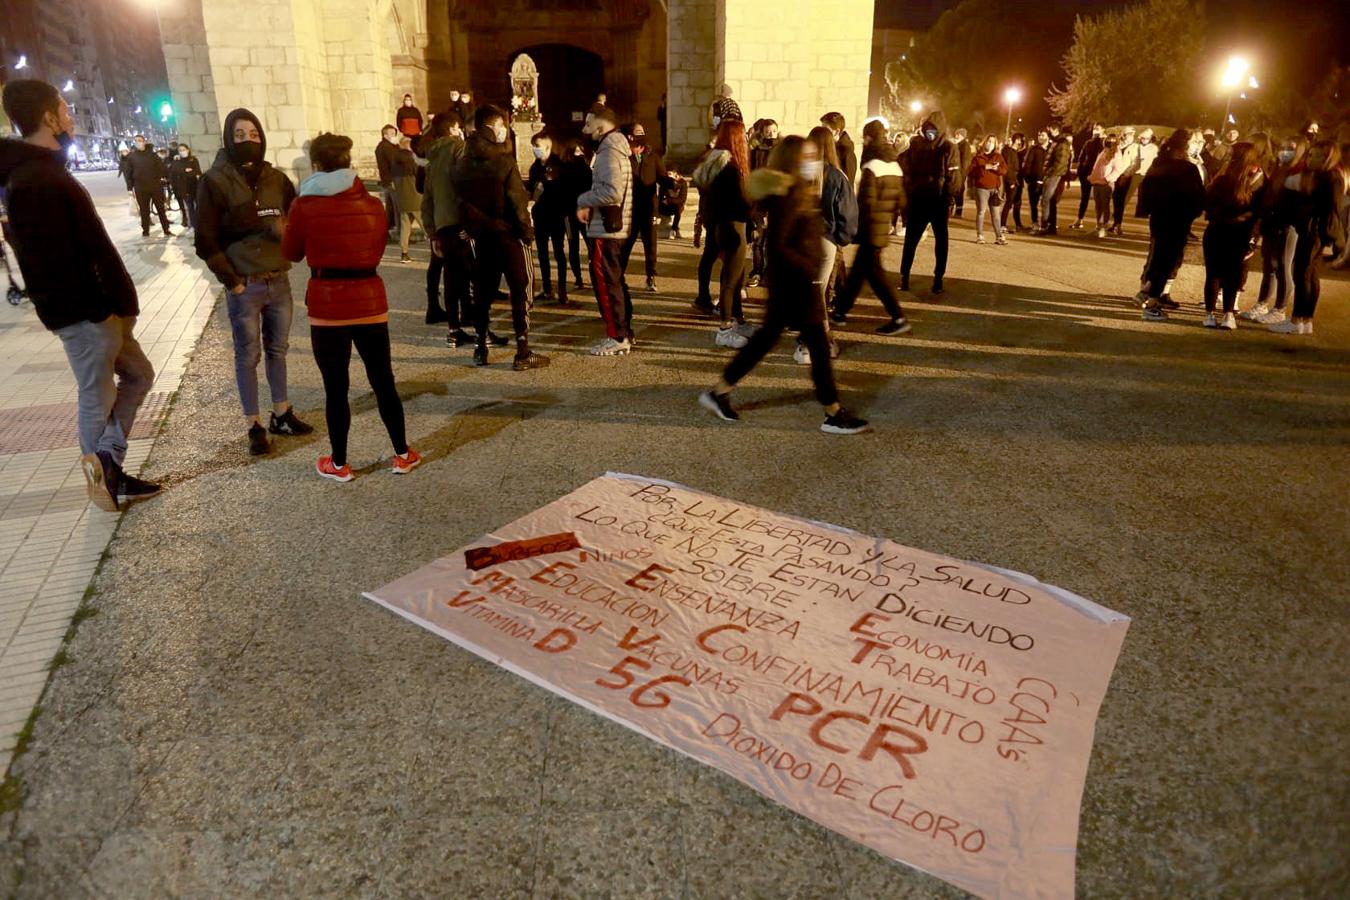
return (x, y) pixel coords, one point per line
(183, 34)
(691, 72)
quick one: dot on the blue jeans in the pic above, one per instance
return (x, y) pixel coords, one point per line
(112, 377)
(260, 319)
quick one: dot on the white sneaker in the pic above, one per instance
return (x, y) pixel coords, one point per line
(745, 329)
(1229, 322)
(1211, 322)
(1274, 317)
(1255, 313)
(979, 239)
(1290, 328)
(729, 337)
(611, 347)
(801, 355)
(1101, 232)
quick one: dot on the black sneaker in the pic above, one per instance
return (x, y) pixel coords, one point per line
(257, 440)
(704, 306)
(132, 488)
(168, 233)
(101, 480)
(720, 405)
(435, 315)
(938, 288)
(579, 285)
(1167, 301)
(1154, 314)
(839, 318)
(895, 326)
(904, 283)
(405, 258)
(458, 338)
(844, 422)
(544, 296)
(145, 233)
(480, 355)
(529, 361)
(288, 424)
(497, 340)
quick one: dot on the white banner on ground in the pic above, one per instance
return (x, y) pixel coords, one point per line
(938, 711)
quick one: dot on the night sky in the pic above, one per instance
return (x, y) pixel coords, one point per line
(1297, 40)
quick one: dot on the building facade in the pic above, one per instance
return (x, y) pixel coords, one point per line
(306, 66)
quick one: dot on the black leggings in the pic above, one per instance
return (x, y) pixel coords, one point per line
(1166, 250)
(1120, 195)
(333, 353)
(867, 267)
(550, 229)
(454, 265)
(1225, 247)
(731, 248)
(575, 237)
(922, 213)
(1276, 276)
(813, 335)
(1307, 281)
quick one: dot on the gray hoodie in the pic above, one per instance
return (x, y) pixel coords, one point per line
(611, 185)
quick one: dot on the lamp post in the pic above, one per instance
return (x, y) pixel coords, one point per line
(1012, 96)
(1233, 76)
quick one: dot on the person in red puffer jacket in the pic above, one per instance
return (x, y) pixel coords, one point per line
(339, 228)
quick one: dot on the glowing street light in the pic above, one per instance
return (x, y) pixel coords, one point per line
(68, 86)
(22, 63)
(1235, 73)
(915, 107)
(1012, 96)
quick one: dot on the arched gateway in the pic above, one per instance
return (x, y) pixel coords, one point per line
(307, 66)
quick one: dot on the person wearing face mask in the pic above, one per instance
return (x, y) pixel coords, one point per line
(1233, 204)
(986, 173)
(724, 108)
(450, 253)
(1032, 177)
(409, 119)
(78, 284)
(786, 188)
(548, 189)
(1105, 171)
(1277, 238)
(1126, 166)
(576, 181)
(242, 203)
(930, 167)
(1148, 152)
(184, 173)
(1311, 206)
(467, 110)
(606, 209)
(1172, 196)
(880, 193)
(722, 176)
(385, 152)
(494, 210)
(649, 173)
(147, 177)
(1087, 158)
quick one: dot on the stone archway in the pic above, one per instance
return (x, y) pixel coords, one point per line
(569, 79)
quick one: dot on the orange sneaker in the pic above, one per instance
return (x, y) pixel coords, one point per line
(406, 463)
(326, 468)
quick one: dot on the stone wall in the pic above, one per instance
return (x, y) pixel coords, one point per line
(692, 68)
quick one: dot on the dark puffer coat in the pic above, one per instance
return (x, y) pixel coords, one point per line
(881, 195)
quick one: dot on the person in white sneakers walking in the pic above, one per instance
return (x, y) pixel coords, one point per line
(607, 212)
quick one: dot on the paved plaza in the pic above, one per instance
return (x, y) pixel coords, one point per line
(235, 720)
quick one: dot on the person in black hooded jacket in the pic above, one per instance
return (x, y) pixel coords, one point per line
(930, 164)
(242, 202)
(494, 210)
(79, 287)
(1172, 195)
(880, 194)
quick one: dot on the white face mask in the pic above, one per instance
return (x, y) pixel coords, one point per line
(182, 154)
(811, 169)
(393, 139)
(499, 133)
(717, 120)
(539, 153)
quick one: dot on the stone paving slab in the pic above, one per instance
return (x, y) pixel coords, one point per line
(235, 720)
(51, 537)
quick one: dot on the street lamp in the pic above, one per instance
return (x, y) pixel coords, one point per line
(915, 107)
(22, 63)
(1234, 75)
(68, 86)
(1012, 96)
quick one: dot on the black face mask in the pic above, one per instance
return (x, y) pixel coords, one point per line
(246, 153)
(65, 140)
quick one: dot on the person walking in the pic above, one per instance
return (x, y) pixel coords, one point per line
(1312, 209)
(385, 152)
(848, 156)
(880, 194)
(1102, 180)
(147, 177)
(1012, 181)
(1087, 161)
(1126, 166)
(338, 229)
(649, 173)
(839, 213)
(79, 287)
(1032, 177)
(547, 187)
(576, 181)
(494, 210)
(403, 170)
(1057, 161)
(242, 203)
(786, 188)
(1172, 196)
(763, 136)
(986, 173)
(1233, 205)
(722, 174)
(184, 174)
(451, 256)
(606, 209)
(930, 168)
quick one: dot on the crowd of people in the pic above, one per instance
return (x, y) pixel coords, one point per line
(773, 211)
